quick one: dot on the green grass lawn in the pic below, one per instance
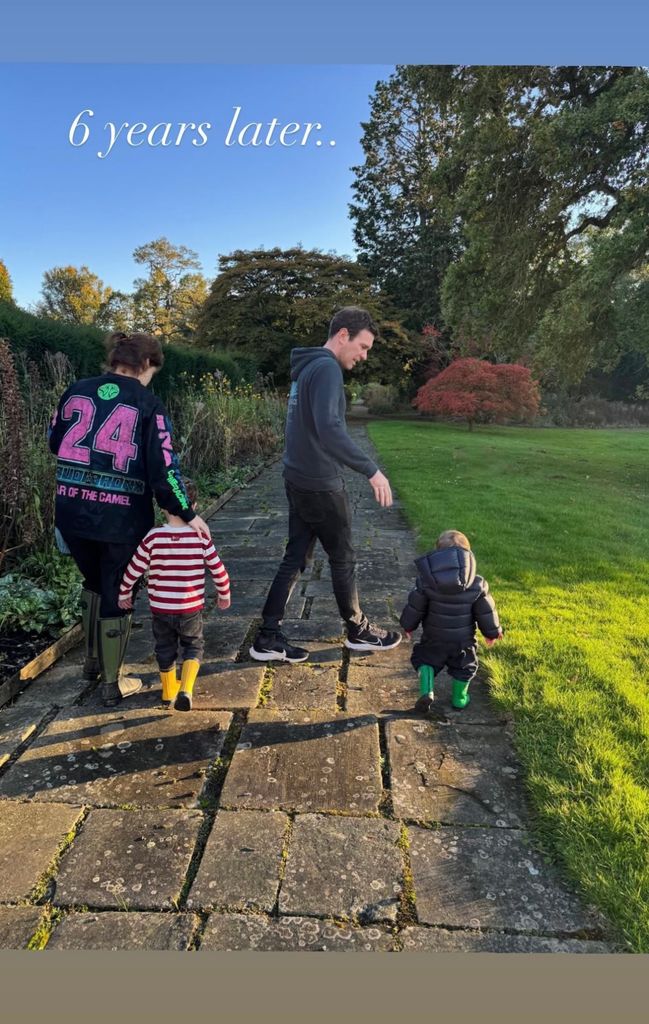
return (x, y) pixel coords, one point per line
(559, 523)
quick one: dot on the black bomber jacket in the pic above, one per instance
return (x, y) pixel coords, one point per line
(450, 599)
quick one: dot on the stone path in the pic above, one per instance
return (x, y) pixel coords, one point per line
(300, 807)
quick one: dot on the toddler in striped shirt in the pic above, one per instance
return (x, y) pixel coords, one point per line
(175, 557)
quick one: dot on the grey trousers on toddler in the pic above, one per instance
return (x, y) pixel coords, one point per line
(172, 632)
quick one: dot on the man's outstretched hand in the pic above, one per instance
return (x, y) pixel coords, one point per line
(382, 490)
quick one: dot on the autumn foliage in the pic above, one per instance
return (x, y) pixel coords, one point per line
(480, 392)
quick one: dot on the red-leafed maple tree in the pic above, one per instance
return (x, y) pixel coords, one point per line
(480, 392)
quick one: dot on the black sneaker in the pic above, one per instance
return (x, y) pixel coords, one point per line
(276, 648)
(372, 639)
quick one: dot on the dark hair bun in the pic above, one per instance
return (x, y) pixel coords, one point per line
(133, 350)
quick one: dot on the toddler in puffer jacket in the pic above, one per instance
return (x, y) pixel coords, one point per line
(449, 600)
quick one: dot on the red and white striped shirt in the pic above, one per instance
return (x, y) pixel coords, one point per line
(175, 557)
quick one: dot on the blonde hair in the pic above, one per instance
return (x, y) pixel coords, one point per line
(453, 539)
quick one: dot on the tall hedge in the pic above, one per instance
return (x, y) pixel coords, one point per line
(84, 347)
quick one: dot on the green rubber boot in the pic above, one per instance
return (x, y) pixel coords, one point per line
(89, 618)
(460, 697)
(426, 689)
(113, 641)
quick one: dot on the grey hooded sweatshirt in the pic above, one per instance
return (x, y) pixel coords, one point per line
(317, 442)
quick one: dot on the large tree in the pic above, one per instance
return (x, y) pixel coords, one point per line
(74, 294)
(553, 209)
(263, 302)
(6, 290)
(167, 302)
(403, 219)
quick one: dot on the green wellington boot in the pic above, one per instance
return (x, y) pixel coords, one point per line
(89, 617)
(460, 697)
(426, 688)
(113, 641)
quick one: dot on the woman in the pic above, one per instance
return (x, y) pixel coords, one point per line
(112, 440)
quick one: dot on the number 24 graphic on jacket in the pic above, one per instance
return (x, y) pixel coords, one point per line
(114, 436)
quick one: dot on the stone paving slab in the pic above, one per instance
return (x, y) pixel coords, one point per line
(229, 523)
(386, 681)
(223, 632)
(272, 548)
(382, 566)
(480, 711)
(250, 590)
(128, 860)
(18, 925)
(17, 724)
(240, 867)
(60, 686)
(244, 608)
(141, 757)
(390, 684)
(223, 637)
(466, 775)
(121, 930)
(323, 653)
(30, 838)
(343, 867)
(221, 685)
(251, 931)
(252, 570)
(319, 588)
(296, 606)
(490, 878)
(439, 940)
(306, 762)
(308, 685)
(315, 629)
(379, 607)
(228, 685)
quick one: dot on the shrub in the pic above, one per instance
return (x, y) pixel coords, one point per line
(218, 424)
(592, 411)
(480, 392)
(40, 602)
(84, 348)
(380, 398)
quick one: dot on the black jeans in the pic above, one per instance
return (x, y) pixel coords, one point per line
(102, 567)
(174, 631)
(461, 662)
(316, 515)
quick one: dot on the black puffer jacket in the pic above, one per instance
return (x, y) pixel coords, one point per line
(449, 599)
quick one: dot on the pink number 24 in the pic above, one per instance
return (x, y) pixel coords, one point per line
(114, 436)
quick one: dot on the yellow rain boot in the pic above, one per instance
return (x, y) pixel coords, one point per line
(187, 680)
(170, 686)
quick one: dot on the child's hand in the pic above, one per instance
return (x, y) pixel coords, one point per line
(408, 634)
(223, 603)
(125, 603)
(490, 640)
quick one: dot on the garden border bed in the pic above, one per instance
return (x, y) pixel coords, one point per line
(12, 686)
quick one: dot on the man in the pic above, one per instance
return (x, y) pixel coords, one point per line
(317, 448)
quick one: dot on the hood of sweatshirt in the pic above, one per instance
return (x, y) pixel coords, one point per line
(301, 357)
(449, 570)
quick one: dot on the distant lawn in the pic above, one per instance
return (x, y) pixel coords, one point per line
(559, 522)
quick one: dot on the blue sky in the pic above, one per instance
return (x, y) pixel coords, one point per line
(61, 204)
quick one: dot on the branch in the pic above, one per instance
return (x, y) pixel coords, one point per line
(595, 222)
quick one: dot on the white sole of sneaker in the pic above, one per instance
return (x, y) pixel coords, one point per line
(274, 656)
(371, 647)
